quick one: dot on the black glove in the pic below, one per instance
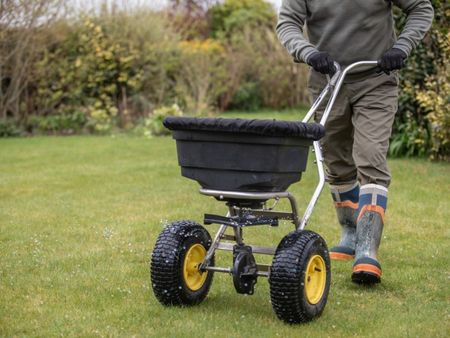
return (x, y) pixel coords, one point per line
(322, 62)
(393, 59)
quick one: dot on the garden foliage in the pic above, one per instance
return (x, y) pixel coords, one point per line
(422, 126)
(115, 68)
(87, 74)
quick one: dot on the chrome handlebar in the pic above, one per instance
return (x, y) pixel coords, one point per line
(334, 86)
(336, 83)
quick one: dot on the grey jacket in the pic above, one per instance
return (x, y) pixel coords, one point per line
(350, 30)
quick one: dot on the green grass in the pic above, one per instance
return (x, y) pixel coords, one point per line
(79, 217)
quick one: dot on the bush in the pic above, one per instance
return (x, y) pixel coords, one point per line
(229, 17)
(423, 121)
(57, 124)
(97, 73)
(247, 97)
(155, 45)
(202, 75)
(434, 99)
(153, 125)
(114, 67)
(117, 66)
(9, 128)
(255, 56)
(410, 139)
(89, 70)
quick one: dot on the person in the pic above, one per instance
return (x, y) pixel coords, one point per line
(358, 129)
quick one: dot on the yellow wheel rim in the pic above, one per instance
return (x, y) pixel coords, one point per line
(193, 277)
(315, 279)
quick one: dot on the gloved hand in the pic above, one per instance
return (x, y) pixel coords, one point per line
(393, 59)
(322, 62)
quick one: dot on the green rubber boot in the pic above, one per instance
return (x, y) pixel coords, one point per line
(346, 202)
(369, 228)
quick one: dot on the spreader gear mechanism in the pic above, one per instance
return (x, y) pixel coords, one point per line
(244, 269)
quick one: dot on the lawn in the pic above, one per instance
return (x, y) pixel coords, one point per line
(79, 217)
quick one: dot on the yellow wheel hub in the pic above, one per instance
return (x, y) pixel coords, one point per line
(193, 277)
(315, 279)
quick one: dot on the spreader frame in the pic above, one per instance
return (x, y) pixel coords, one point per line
(333, 86)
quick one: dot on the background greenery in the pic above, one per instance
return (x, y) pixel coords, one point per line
(80, 215)
(69, 72)
(422, 124)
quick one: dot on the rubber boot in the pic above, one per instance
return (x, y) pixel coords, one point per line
(346, 202)
(369, 228)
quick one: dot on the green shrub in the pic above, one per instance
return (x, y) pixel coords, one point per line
(202, 76)
(230, 16)
(111, 70)
(57, 124)
(152, 39)
(254, 54)
(9, 128)
(422, 123)
(89, 72)
(411, 139)
(247, 97)
(434, 99)
(114, 67)
(153, 125)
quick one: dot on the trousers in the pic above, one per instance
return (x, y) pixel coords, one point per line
(358, 129)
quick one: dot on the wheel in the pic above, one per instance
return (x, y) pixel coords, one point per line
(180, 249)
(300, 277)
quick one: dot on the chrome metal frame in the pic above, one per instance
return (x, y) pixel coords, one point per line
(333, 88)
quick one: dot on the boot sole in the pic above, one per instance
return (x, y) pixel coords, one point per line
(366, 274)
(339, 256)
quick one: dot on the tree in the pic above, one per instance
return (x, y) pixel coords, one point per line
(20, 23)
(232, 15)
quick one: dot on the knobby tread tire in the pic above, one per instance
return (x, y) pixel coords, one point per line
(287, 277)
(166, 266)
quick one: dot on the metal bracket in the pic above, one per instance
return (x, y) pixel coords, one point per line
(263, 250)
(241, 221)
(222, 194)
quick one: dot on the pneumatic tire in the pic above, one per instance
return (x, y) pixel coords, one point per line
(300, 277)
(179, 250)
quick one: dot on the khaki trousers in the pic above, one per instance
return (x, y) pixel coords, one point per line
(358, 129)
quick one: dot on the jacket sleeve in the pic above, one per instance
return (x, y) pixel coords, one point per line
(418, 21)
(291, 20)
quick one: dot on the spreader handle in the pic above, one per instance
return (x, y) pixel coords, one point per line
(336, 83)
(337, 69)
(334, 86)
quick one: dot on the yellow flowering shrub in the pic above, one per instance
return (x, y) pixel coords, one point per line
(88, 71)
(153, 125)
(201, 47)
